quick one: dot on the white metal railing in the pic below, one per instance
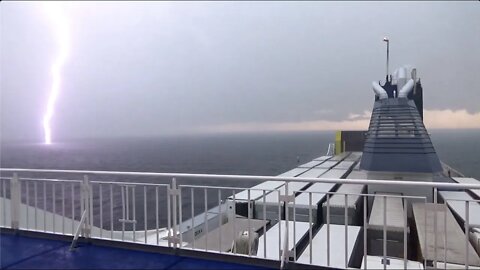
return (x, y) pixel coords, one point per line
(111, 211)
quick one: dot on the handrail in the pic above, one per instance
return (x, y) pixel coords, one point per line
(174, 207)
(228, 177)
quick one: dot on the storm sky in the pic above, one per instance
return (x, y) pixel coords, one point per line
(156, 68)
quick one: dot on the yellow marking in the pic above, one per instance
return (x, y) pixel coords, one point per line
(338, 142)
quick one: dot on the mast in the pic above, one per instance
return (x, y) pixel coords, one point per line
(388, 53)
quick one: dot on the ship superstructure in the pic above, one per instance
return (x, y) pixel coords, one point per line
(397, 140)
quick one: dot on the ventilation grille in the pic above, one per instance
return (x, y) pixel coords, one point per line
(397, 138)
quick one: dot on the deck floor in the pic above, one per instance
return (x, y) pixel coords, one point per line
(21, 252)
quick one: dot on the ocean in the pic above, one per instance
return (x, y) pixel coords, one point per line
(260, 154)
(246, 154)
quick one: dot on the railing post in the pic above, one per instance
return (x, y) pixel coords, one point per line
(285, 249)
(173, 192)
(86, 228)
(15, 202)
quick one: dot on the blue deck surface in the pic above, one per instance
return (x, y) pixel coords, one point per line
(21, 252)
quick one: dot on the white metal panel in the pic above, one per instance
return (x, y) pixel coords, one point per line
(334, 173)
(441, 265)
(292, 188)
(271, 238)
(357, 174)
(345, 164)
(375, 262)
(271, 198)
(459, 207)
(310, 164)
(313, 173)
(475, 239)
(320, 187)
(337, 246)
(322, 158)
(327, 164)
(258, 193)
(467, 180)
(293, 172)
(339, 199)
(296, 186)
(221, 238)
(395, 220)
(357, 167)
(304, 198)
(267, 185)
(456, 248)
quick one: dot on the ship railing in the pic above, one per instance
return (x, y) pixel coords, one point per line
(174, 215)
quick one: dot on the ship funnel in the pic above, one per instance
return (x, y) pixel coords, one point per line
(406, 89)
(379, 91)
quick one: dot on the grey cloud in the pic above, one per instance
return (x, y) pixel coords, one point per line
(164, 67)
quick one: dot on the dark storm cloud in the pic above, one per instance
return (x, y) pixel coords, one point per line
(171, 67)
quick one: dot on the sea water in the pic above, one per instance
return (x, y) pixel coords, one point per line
(266, 154)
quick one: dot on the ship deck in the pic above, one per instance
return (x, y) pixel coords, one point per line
(25, 252)
(36, 235)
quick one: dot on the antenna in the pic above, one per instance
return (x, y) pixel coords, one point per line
(388, 52)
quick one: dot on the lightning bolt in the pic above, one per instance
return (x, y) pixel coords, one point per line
(61, 30)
